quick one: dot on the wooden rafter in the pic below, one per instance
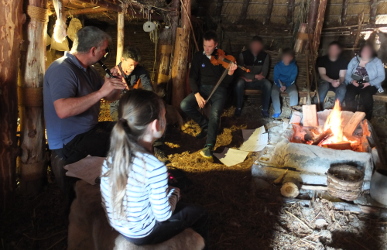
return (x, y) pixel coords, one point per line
(269, 10)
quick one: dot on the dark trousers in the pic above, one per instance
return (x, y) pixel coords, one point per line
(185, 216)
(264, 85)
(95, 142)
(190, 106)
(324, 87)
(366, 98)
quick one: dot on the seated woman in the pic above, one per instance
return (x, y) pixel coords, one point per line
(364, 77)
(134, 183)
(285, 74)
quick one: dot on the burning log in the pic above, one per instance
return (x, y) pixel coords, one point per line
(322, 137)
(338, 145)
(353, 123)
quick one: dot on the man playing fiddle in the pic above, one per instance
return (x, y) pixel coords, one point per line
(203, 77)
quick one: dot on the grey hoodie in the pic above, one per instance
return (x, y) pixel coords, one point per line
(375, 71)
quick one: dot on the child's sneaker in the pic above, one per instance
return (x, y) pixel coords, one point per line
(276, 115)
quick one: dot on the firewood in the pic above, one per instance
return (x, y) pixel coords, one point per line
(323, 136)
(290, 190)
(353, 123)
(309, 113)
(291, 187)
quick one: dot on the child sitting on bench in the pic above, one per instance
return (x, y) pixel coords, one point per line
(285, 74)
(134, 183)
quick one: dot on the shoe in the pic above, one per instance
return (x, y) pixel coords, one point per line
(202, 133)
(265, 114)
(238, 112)
(276, 115)
(206, 152)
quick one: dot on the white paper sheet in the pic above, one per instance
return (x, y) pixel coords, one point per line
(231, 157)
(87, 169)
(257, 141)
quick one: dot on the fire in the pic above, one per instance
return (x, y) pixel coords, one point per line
(334, 122)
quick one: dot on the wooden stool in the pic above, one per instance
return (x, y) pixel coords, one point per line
(90, 229)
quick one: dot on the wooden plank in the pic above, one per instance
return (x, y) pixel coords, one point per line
(11, 14)
(309, 113)
(353, 123)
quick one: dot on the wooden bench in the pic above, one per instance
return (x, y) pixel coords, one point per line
(90, 229)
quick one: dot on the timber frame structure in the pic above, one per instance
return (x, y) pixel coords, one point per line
(22, 66)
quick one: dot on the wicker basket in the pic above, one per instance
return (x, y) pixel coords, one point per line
(345, 182)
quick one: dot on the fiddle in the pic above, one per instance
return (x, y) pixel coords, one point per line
(219, 57)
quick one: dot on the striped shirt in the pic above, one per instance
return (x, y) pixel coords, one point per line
(146, 199)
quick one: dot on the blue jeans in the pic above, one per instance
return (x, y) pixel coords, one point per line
(264, 85)
(275, 97)
(190, 106)
(324, 87)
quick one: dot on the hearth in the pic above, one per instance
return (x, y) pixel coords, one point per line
(306, 153)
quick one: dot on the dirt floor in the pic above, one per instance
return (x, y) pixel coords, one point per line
(245, 213)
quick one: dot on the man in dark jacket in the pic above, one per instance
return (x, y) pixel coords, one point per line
(133, 74)
(257, 60)
(203, 77)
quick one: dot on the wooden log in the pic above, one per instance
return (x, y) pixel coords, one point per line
(101, 3)
(164, 57)
(302, 38)
(355, 120)
(290, 14)
(312, 15)
(11, 23)
(318, 28)
(373, 10)
(291, 187)
(180, 66)
(120, 34)
(33, 157)
(243, 15)
(358, 31)
(344, 8)
(309, 115)
(94, 10)
(269, 10)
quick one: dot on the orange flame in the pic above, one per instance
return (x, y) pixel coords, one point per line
(334, 122)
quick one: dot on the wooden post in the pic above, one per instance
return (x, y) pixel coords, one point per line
(269, 10)
(373, 11)
(11, 23)
(318, 28)
(290, 14)
(344, 8)
(164, 52)
(120, 34)
(312, 17)
(243, 14)
(33, 158)
(179, 66)
(218, 11)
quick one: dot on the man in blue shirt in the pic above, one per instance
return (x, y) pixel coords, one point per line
(72, 92)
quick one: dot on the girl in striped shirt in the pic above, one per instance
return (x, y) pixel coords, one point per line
(134, 183)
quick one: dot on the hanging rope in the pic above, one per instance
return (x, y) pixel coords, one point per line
(37, 13)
